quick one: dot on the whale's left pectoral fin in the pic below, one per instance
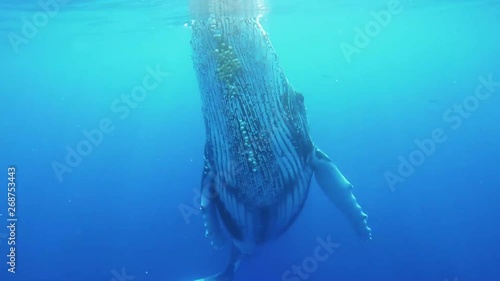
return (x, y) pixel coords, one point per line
(339, 191)
(209, 201)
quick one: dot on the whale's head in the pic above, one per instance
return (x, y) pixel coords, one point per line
(244, 8)
(256, 123)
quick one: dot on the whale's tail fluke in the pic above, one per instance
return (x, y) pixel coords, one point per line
(232, 266)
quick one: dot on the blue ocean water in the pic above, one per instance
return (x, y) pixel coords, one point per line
(403, 96)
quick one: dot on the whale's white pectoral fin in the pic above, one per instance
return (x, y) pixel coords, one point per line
(213, 229)
(339, 190)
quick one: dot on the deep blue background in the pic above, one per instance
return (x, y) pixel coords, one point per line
(119, 208)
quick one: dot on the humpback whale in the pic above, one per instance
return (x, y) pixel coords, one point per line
(259, 158)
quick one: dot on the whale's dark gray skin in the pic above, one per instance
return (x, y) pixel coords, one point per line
(259, 156)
